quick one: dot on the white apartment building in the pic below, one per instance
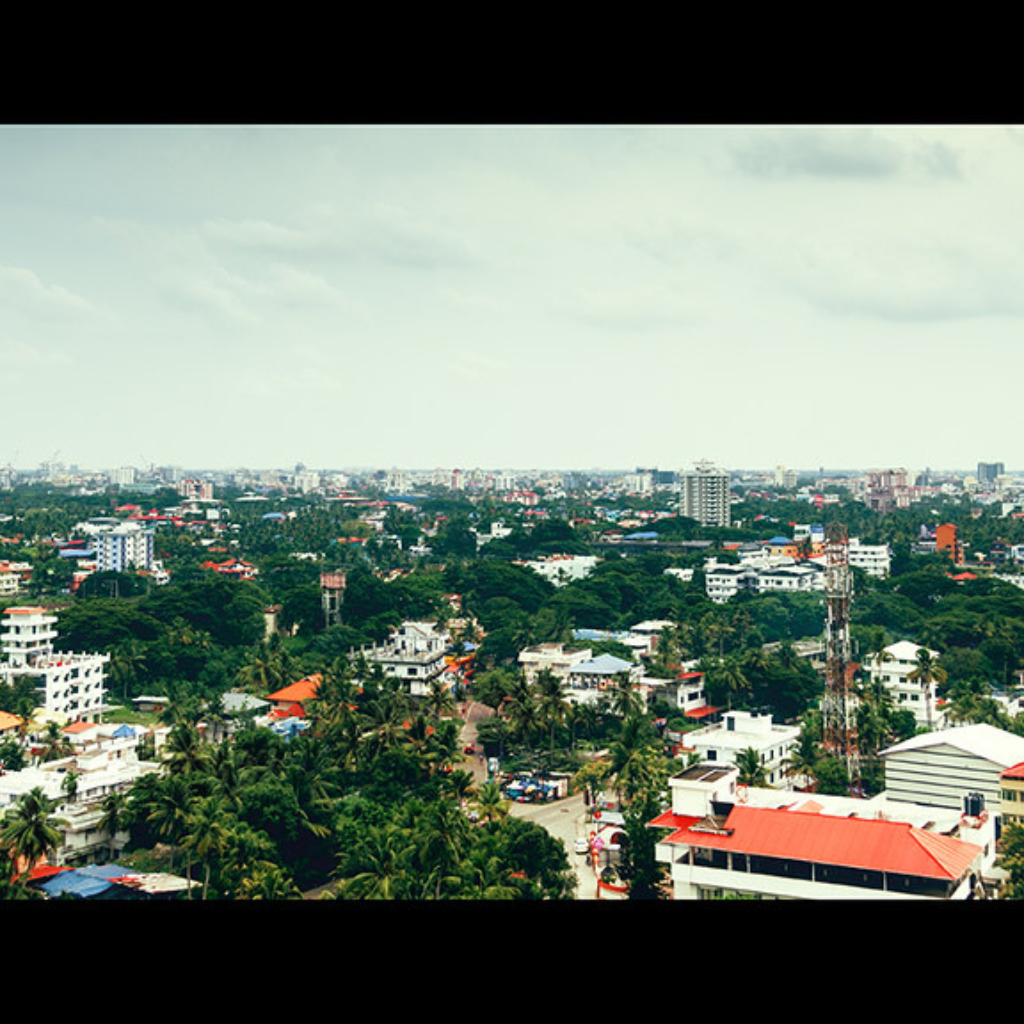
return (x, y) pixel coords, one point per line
(123, 547)
(69, 685)
(414, 654)
(893, 668)
(721, 743)
(724, 581)
(874, 559)
(563, 569)
(704, 495)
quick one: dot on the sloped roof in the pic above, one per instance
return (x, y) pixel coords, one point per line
(981, 740)
(303, 689)
(808, 836)
(603, 664)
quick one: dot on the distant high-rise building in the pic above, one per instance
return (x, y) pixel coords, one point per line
(989, 472)
(705, 495)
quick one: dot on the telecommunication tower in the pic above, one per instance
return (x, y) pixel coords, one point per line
(332, 593)
(838, 720)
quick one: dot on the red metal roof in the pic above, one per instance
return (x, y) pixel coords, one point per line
(865, 843)
(304, 689)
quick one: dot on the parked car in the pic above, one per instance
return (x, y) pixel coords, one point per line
(582, 845)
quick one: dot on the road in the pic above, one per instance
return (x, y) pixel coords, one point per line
(565, 819)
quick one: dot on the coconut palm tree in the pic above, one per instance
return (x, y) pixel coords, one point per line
(751, 768)
(927, 671)
(29, 832)
(115, 816)
(206, 834)
(490, 804)
(552, 705)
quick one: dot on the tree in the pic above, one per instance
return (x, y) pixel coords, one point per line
(927, 671)
(206, 834)
(29, 832)
(751, 768)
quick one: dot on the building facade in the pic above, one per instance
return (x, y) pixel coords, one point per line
(704, 495)
(69, 685)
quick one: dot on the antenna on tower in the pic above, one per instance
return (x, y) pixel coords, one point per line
(838, 722)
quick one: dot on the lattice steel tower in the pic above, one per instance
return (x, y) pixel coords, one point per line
(838, 713)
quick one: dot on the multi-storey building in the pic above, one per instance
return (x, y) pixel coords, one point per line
(122, 548)
(704, 495)
(69, 685)
(414, 654)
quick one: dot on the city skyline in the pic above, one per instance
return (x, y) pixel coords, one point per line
(528, 296)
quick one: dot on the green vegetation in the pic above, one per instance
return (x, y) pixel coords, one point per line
(370, 800)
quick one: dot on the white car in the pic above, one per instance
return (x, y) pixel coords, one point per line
(582, 845)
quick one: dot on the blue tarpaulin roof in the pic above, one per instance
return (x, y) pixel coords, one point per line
(84, 882)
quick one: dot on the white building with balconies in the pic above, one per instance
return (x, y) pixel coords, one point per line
(69, 685)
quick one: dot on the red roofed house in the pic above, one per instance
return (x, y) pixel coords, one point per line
(290, 701)
(721, 838)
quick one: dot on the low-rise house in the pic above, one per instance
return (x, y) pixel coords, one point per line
(722, 742)
(721, 839)
(590, 679)
(559, 659)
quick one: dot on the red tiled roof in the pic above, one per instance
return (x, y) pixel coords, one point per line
(868, 844)
(1015, 771)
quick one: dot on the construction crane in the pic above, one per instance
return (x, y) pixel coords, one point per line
(839, 731)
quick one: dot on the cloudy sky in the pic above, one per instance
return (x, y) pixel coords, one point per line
(511, 296)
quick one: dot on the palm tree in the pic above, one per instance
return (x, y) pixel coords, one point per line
(751, 768)
(628, 754)
(802, 759)
(625, 698)
(115, 816)
(29, 832)
(206, 834)
(170, 808)
(927, 671)
(552, 705)
(490, 803)
(442, 837)
(185, 751)
(728, 675)
(383, 860)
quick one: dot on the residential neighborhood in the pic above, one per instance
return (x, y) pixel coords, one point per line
(325, 615)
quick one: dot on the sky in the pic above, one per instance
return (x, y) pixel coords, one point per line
(535, 296)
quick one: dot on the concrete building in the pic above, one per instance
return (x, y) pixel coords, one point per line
(588, 680)
(944, 768)
(558, 659)
(704, 495)
(414, 653)
(722, 742)
(71, 686)
(125, 547)
(721, 839)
